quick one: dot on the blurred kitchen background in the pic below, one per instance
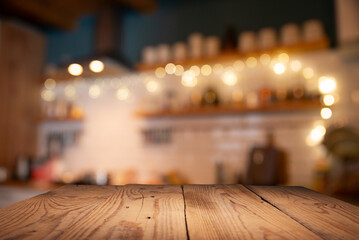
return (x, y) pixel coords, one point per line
(179, 92)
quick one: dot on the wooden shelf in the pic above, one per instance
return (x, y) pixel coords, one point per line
(58, 120)
(290, 106)
(232, 56)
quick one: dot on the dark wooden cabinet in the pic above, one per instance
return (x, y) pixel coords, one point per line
(21, 61)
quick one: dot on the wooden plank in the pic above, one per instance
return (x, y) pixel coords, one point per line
(49, 215)
(328, 217)
(234, 212)
(135, 212)
(93, 212)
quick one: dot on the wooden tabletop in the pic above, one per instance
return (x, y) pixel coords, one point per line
(180, 212)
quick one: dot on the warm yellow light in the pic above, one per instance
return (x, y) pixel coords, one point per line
(189, 79)
(196, 70)
(296, 65)
(316, 135)
(170, 68)
(326, 113)
(75, 69)
(251, 62)
(328, 100)
(206, 70)
(238, 65)
(50, 83)
(308, 72)
(283, 57)
(160, 72)
(70, 92)
(122, 93)
(48, 95)
(96, 66)
(152, 86)
(229, 78)
(218, 68)
(264, 59)
(94, 91)
(279, 68)
(179, 70)
(326, 84)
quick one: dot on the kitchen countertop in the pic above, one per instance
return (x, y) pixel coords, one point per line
(180, 212)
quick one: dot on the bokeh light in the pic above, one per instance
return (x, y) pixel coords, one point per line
(96, 66)
(251, 62)
(308, 73)
(316, 135)
(170, 68)
(94, 91)
(189, 79)
(283, 58)
(75, 69)
(326, 84)
(326, 113)
(48, 95)
(206, 70)
(296, 65)
(279, 68)
(229, 78)
(152, 86)
(179, 70)
(50, 84)
(238, 65)
(218, 68)
(265, 59)
(196, 70)
(122, 93)
(328, 100)
(70, 92)
(160, 72)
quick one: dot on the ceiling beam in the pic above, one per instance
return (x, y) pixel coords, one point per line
(63, 14)
(139, 5)
(39, 12)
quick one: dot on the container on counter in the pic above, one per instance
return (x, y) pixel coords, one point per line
(267, 38)
(290, 34)
(163, 53)
(195, 44)
(179, 51)
(247, 42)
(313, 30)
(149, 55)
(212, 46)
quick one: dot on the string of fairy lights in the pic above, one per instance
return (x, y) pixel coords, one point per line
(228, 73)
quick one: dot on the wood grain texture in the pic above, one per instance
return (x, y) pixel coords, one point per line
(135, 212)
(328, 217)
(234, 212)
(92, 212)
(49, 215)
(179, 212)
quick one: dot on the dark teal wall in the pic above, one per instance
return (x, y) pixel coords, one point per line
(174, 20)
(66, 46)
